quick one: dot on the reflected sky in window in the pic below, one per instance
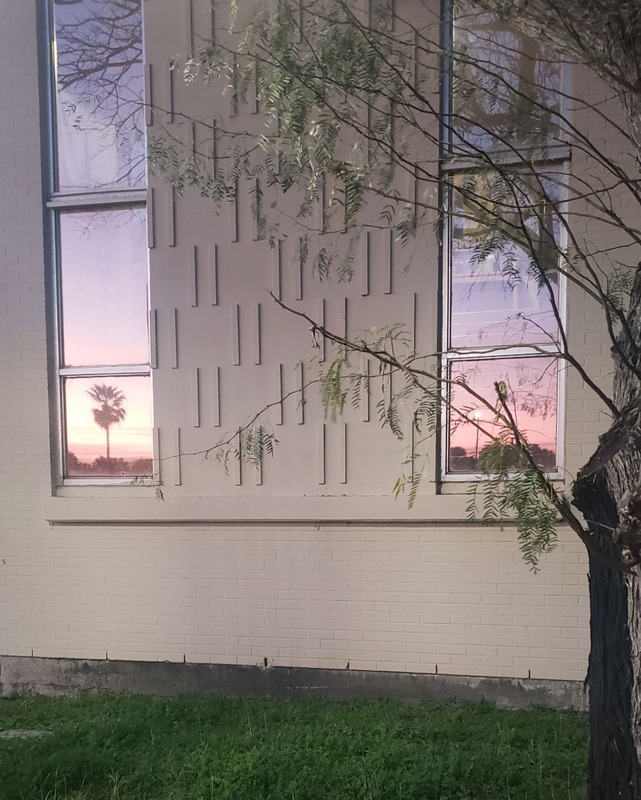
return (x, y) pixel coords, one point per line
(104, 287)
(99, 94)
(531, 386)
(129, 439)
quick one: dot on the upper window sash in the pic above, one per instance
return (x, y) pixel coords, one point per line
(98, 95)
(505, 89)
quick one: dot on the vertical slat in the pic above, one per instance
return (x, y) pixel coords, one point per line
(170, 93)
(216, 397)
(233, 215)
(149, 96)
(194, 140)
(298, 277)
(366, 394)
(281, 399)
(213, 284)
(153, 338)
(345, 317)
(342, 444)
(214, 149)
(321, 321)
(321, 206)
(238, 472)
(174, 339)
(389, 265)
(189, 29)
(151, 215)
(258, 334)
(235, 335)
(177, 458)
(321, 457)
(258, 469)
(259, 222)
(277, 269)
(414, 320)
(171, 221)
(365, 264)
(256, 103)
(156, 454)
(193, 276)
(300, 410)
(195, 397)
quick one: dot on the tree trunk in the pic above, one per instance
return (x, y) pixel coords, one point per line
(607, 493)
(613, 762)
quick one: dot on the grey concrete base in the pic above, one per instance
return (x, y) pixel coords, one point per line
(67, 676)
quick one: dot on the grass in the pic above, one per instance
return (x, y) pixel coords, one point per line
(114, 747)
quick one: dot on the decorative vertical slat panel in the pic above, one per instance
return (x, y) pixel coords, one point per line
(365, 263)
(171, 219)
(176, 458)
(238, 469)
(151, 215)
(235, 335)
(342, 447)
(193, 277)
(233, 100)
(194, 140)
(153, 338)
(321, 457)
(277, 269)
(279, 387)
(216, 397)
(195, 397)
(212, 22)
(149, 96)
(257, 334)
(258, 472)
(345, 317)
(233, 214)
(300, 263)
(170, 93)
(300, 410)
(389, 261)
(365, 392)
(157, 455)
(174, 339)
(213, 267)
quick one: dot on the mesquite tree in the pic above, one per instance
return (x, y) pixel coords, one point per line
(390, 117)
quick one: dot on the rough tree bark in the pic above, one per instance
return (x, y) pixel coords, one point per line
(606, 493)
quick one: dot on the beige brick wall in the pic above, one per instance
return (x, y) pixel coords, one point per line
(240, 568)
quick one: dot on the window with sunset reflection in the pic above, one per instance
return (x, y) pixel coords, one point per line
(504, 183)
(102, 272)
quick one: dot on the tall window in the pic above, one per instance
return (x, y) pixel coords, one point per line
(504, 172)
(97, 199)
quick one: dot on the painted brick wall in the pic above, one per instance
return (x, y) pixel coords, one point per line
(138, 578)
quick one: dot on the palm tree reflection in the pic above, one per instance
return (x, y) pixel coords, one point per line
(108, 408)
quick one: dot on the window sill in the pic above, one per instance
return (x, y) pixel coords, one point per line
(111, 505)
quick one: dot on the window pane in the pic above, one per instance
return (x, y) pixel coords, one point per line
(99, 76)
(108, 426)
(104, 287)
(504, 229)
(531, 386)
(506, 89)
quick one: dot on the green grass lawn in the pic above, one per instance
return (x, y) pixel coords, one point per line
(138, 748)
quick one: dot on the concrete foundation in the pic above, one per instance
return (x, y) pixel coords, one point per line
(20, 674)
